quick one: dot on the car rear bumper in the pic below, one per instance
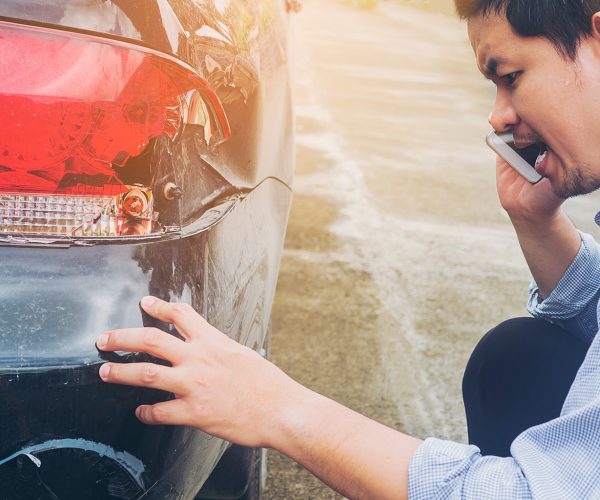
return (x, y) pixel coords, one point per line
(65, 433)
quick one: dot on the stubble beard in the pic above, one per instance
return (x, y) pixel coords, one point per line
(577, 181)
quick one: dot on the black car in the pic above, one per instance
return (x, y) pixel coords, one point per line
(146, 147)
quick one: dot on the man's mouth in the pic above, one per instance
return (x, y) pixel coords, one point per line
(535, 154)
(532, 152)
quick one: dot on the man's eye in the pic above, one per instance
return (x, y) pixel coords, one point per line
(511, 77)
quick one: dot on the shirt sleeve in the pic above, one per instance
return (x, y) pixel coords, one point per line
(556, 460)
(444, 469)
(573, 302)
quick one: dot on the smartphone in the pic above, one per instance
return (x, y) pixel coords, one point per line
(522, 160)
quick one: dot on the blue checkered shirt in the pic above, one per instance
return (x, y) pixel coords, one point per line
(559, 459)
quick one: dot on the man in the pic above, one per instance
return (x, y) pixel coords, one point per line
(532, 400)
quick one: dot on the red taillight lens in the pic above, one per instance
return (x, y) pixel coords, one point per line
(74, 108)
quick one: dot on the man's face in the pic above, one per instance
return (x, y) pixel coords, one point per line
(545, 98)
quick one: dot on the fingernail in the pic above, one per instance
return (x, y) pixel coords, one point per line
(102, 340)
(147, 301)
(104, 371)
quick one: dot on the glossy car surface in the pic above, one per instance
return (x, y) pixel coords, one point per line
(215, 179)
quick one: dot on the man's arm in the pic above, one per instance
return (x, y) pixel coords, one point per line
(548, 239)
(233, 393)
(565, 263)
(351, 453)
(549, 246)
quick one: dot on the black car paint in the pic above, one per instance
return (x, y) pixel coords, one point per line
(223, 259)
(49, 380)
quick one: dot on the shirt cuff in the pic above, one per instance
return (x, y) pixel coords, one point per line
(435, 464)
(576, 288)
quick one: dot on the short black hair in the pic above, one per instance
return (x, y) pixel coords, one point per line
(563, 22)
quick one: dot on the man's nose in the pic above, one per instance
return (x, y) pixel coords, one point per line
(503, 116)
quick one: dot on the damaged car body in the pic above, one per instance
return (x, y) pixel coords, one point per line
(146, 148)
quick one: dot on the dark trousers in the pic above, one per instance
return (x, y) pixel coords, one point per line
(518, 376)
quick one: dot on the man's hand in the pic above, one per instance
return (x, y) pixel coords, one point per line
(220, 386)
(548, 239)
(523, 200)
(233, 393)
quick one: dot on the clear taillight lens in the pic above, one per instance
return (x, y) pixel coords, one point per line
(69, 215)
(73, 110)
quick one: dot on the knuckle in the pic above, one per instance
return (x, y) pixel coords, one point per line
(158, 414)
(199, 383)
(149, 373)
(151, 337)
(182, 308)
(200, 412)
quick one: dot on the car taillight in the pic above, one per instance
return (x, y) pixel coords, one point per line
(69, 215)
(74, 109)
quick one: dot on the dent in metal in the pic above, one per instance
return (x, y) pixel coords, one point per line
(54, 302)
(240, 47)
(47, 331)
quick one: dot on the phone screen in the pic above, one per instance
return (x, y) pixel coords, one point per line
(522, 160)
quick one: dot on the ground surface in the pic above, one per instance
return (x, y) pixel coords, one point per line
(397, 257)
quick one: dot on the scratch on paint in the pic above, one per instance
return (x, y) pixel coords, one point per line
(130, 463)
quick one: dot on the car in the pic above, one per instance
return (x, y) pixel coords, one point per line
(146, 148)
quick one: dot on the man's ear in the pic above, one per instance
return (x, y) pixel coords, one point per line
(593, 40)
(596, 26)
